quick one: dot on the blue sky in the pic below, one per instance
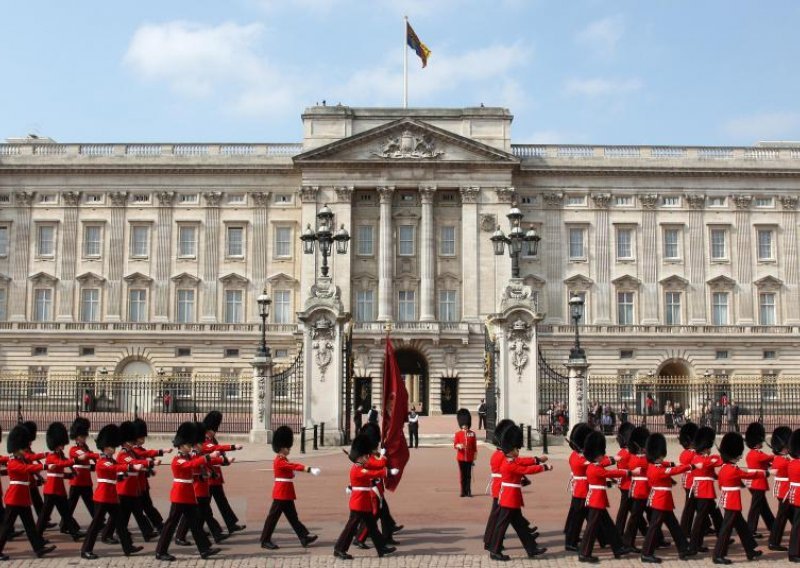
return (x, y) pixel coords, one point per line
(585, 71)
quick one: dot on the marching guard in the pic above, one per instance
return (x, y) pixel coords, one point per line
(639, 492)
(793, 496)
(780, 487)
(55, 494)
(758, 460)
(703, 488)
(466, 444)
(686, 439)
(497, 459)
(80, 486)
(36, 478)
(148, 508)
(579, 488)
(622, 457)
(216, 484)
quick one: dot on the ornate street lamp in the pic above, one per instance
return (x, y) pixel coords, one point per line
(264, 303)
(515, 239)
(576, 313)
(325, 237)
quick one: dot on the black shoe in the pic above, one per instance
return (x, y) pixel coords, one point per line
(722, 560)
(386, 550)
(4, 557)
(361, 545)
(183, 542)
(77, 536)
(589, 559)
(308, 539)
(794, 559)
(220, 537)
(702, 549)
(342, 555)
(535, 535)
(619, 553)
(397, 528)
(269, 545)
(570, 548)
(390, 540)
(45, 550)
(758, 535)
(499, 556)
(664, 544)
(133, 550)
(651, 559)
(777, 547)
(110, 540)
(209, 552)
(635, 549)
(236, 528)
(88, 556)
(151, 536)
(51, 525)
(166, 557)
(685, 554)
(532, 529)
(539, 550)
(755, 554)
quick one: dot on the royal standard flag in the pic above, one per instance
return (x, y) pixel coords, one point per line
(414, 43)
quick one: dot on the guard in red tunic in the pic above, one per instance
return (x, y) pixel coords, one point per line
(80, 486)
(362, 481)
(510, 501)
(283, 494)
(36, 479)
(18, 497)
(55, 494)
(686, 438)
(182, 496)
(623, 435)
(730, 478)
(377, 460)
(466, 444)
(703, 488)
(639, 491)
(780, 485)
(153, 515)
(105, 496)
(216, 484)
(793, 496)
(755, 436)
(497, 459)
(3, 471)
(659, 477)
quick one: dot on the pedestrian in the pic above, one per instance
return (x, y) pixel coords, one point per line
(55, 494)
(716, 417)
(466, 445)
(733, 417)
(358, 417)
(703, 487)
(650, 404)
(758, 460)
(80, 486)
(780, 488)
(373, 415)
(283, 494)
(482, 415)
(623, 412)
(622, 458)
(87, 401)
(686, 440)
(669, 415)
(167, 402)
(413, 428)
(149, 509)
(793, 496)
(216, 484)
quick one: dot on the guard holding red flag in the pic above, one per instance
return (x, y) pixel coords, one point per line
(55, 494)
(377, 460)
(80, 486)
(466, 444)
(758, 460)
(212, 422)
(780, 488)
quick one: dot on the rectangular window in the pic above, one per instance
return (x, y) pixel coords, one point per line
(770, 354)
(716, 202)
(48, 198)
(183, 352)
(624, 244)
(671, 201)
(187, 241)
(576, 244)
(87, 351)
(576, 200)
(672, 307)
(282, 306)
(234, 306)
(43, 304)
(623, 200)
(90, 304)
(766, 308)
(137, 305)
(141, 198)
(283, 242)
(235, 242)
(625, 308)
(4, 231)
(407, 310)
(92, 241)
(237, 198)
(281, 353)
(365, 244)
(447, 305)
(723, 354)
(185, 306)
(719, 308)
(94, 198)
(626, 354)
(405, 244)
(39, 351)
(718, 244)
(46, 240)
(671, 247)
(188, 198)
(365, 305)
(3, 304)
(282, 198)
(140, 241)
(764, 202)
(765, 238)
(447, 241)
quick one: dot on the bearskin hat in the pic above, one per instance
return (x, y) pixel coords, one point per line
(780, 438)
(637, 441)
(213, 420)
(624, 433)
(794, 444)
(513, 439)
(141, 428)
(464, 418)
(704, 439)
(283, 437)
(501, 427)
(186, 434)
(199, 433)
(755, 435)
(373, 432)
(108, 437)
(687, 434)
(79, 427)
(361, 446)
(655, 447)
(32, 428)
(577, 436)
(127, 432)
(731, 447)
(594, 446)
(18, 439)
(57, 435)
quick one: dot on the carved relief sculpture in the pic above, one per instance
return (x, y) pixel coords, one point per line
(488, 222)
(696, 201)
(519, 345)
(322, 335)
(789, 202)
(409, 146)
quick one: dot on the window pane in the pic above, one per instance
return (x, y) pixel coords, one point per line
(406, 305)
(672, 304)
(235, 241)
(765, 245)
(3, 302)
(625, 308)
(282, 305)
(447, 243)
(719, 308)
(576, 243)
(92, 240)
(364, 240)
(718, 243)
(447, 305)
(90, 304)
(671, 243)
(364, 305)
(767, 309)
(406, 240)
(234, 308)
(624, 243)
(46, 240)
(43, 304)
(137, 305)
(185, 302)
(187, 241)
(283, 246)
(3, 241)
(139, 241)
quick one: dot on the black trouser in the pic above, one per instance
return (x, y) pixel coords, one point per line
(598, 521)
(706, 511)
(24, 513)
(114, 519)
(206, 516)
(413, 435)
(128, 505)
(794, 537)
(76, 493)
(575, 519)
(192, 514)
(513, 517)
(654, 535)
(734, 520)
(285, 507)
(228, 516)
(67, 520)
(153, 515)
(689, 508)
(36, 497)
(388, 523)
(623, 511)
(636, 522)
(759, 506)
(491, 523)
(358, 518)
(481, 421)
(779, 526)
(465, 474)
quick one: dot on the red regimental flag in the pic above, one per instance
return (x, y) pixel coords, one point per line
(395, 411)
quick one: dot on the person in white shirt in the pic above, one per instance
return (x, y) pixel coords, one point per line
(413, 428)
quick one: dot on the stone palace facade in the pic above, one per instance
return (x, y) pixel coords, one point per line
(140, 258)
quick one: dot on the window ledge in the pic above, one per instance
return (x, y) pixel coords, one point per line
(720, 261)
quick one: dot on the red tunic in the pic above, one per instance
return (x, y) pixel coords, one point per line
(82, 457)
(497, 459)
(128, 484)
(468, 439)
(659, 477)
(183, 467)
(596, 475)
(31, 457)
(623, 456)
(202, 474)
(211, 445)
(512, 471)
(579, 485)
(758, 460)
(141, 453)
(361, 484)
(20, 471)
(686, 458)
(3, 471)
(107, 469)
(780, 465)
(793, 473)
(283, 469)
(640, 486)
(703, 477)
(730, 484)
(54, 485)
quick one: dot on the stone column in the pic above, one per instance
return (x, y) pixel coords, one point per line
(261, 431)
(261, 239)
(164, 255)
(211, 256)
(117, 255)
(789, 253)
(308, 216)
(386, 256)
(340, 263)
(427, 251)
(743, 260)
(578, 387)
(649, 260)
(20, 255)
(603, 256)
(69, 257)
(554, 253)
(470, 254)
(695, 246)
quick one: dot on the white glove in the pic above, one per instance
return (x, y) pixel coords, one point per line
(383, 452)
(348, 490)
(394, 471)
(314, 471)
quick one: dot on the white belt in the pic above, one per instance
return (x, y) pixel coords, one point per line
(361, 488)
(284, 479)
(794, 484)
(639, 478)
(517, 485)
(55, 475)
(578, 478)
(703, 479)
(598, 487)
(730, 488)
(100, 480)
(497, 475)
(19, 483)
(661, 489)
(76, 466)
(183, 481)
(781, 479)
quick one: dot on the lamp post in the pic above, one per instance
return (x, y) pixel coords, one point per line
(515, 239)
(325, 236)
(262, 389)
(576, 313)
(577, 366)
(264, 303)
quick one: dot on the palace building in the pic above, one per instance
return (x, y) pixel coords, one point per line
(137, 258)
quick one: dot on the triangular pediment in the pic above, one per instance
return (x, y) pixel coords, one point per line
(768, 283)
(90, 278)
(185, 279)
(43, 278)
(626, 281)
(233, 279)
(282, 279)
(406, 141)
(674, 281)
(138, 278)
(722, 282)
(579, 281)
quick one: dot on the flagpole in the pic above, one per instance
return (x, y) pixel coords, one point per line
(405, 62)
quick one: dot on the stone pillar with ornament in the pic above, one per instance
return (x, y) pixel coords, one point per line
(261, 432)
(578, 367)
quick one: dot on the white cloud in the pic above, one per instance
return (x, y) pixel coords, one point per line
(602, 36)
(764, 126)
(599, 87)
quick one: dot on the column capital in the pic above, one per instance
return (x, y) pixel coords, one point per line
(165, 198)
(426, 193)
(344, 193)
(308, 193)
(788, 202)
(470, 194)
(648, 200)
(601, 200)
(71, 198)
(385, 193)
(553, 200)
(260, 198)
(505, 194)
(24, 198)
(213, 198)
(118, 198)
(696, 201)
(742, 201)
